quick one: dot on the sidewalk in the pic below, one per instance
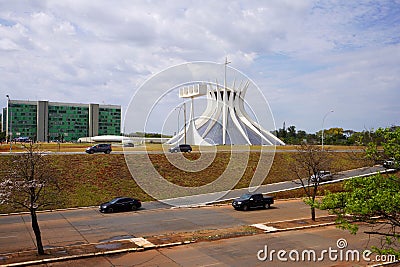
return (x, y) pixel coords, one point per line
(54, 254)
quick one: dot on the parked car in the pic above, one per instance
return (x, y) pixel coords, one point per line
(129, 144)
(23, 139)
(100, 148)
(391, 164)
(321, 176)
(248, 201)
(120, 204)
(181, 148)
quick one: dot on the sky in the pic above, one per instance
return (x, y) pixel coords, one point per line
(306, 57)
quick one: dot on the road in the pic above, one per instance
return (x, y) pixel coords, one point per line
(142, 150)
(84, 226)
(250, 251)
(267, 189)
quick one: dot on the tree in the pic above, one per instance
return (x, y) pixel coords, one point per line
(31, 184)
(389, 139)
(308, 162)
(374, 200)
(2, 136)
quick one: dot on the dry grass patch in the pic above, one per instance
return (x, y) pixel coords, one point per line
(204, 235)
(88, 180)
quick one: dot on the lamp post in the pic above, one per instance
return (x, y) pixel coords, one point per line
(184, 115)
(323, 121)
(10, 121)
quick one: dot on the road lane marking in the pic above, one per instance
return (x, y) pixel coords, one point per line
(264, 227)
(142, 242)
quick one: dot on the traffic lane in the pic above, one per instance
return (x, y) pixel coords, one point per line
(336, 177)
(19, 236)
(63, 228)
(359, 171)
(155, 222)
(293, 184)
(242, 251)
(145, 223)
(14, 234)
(89, 226)
(263, 189)
(282, 210)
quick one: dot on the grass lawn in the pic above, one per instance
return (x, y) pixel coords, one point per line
(88, 180)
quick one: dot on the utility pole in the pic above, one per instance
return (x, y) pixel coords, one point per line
(184, 115)
(9, 120)
(323, 121)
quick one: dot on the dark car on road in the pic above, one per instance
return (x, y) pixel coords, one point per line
(248, 201)
(181, 148)
(120, 204)
(100, 148)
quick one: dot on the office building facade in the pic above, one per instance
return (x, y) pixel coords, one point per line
(45, 121)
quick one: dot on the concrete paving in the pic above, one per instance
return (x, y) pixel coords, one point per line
(250, 251)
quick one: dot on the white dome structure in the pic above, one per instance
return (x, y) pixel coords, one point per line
(224, 121)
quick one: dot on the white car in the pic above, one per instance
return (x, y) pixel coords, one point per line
(321, 176)
(391, 164)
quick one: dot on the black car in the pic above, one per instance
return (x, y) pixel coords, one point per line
(100, 148)
(181, 148)
(120, 204)
(248, 201)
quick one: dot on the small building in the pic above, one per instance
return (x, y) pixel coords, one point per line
(46, 121)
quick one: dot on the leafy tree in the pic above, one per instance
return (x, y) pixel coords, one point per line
(301, 135)
(31, 183)
(389, 139)
(308, 162)
(292, 131)
(2, 136)
(374, 200)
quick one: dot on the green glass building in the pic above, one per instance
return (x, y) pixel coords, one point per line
(45, 121)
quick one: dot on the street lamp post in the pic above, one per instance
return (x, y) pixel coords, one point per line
(10, 121)
(184, 115)
(323, 121)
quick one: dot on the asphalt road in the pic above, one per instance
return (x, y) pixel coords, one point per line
(142, 150)
(245, 251)
(70, 227)
(267, 189)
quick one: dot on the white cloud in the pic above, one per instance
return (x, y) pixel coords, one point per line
(305, 55)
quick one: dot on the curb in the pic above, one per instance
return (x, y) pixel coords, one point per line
(46, 211)
(270, 229)
(302, 227)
